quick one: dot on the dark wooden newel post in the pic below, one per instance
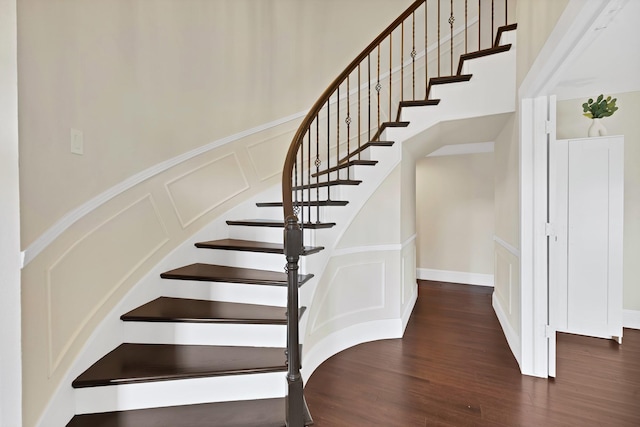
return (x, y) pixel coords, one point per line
(292, 250)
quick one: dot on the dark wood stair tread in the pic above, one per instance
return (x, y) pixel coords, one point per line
(357, 151)
(383, 126)
(313, 203)
(223, 273)
(345, 165)
(277, 223)
(167, 309)
(415, 103)
(502, 30)
(137, 363)
(245, 413)
(447, 79)
(328, 184)
(252, 246)
(480, 54)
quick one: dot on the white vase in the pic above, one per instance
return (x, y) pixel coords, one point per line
(597, 128)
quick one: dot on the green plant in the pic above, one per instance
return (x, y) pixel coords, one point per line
(600, 108)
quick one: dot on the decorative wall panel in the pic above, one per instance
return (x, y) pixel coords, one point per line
(204, 188)
(266, 156)
(353, 289)
(91, 270)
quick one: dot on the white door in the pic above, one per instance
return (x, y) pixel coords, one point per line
(586, 202)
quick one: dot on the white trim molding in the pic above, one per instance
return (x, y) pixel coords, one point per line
(346, 338)
(513, 339)
(631, 319)
(465, 278)
(511, 249)
(461, 149)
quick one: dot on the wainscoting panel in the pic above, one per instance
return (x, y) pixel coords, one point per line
(83, 278)
(266, 156)
(507, 283)
(352, 290)
(204, 188)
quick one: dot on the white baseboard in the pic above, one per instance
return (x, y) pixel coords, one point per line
(465, 278)
(631, 319)
(346, 338)
(406, 315)
(513, 339)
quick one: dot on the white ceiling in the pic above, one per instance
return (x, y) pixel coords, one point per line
(610, 63)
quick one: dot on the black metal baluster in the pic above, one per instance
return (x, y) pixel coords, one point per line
(452, 19)
(426, 50)
(317, 164)
(413, 56)
(347, 120)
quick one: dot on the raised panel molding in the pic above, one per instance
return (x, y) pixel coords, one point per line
(353, 289)
(206, 187)
(80, 281)
(507, 289)
(266, 156)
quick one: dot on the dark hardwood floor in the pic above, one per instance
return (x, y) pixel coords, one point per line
(454, 368)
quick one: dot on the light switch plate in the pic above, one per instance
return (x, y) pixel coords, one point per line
(77, 142)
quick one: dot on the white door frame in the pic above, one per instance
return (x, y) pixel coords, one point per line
(10, 257)
(569, 38)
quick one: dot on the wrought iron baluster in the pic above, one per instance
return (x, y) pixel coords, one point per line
(492, 27)
(347, 120)
(390, 71)
(413, 56)
(401, 65)
(338, 129)
(328, 145)
(300, 206)
(479, 23)
(452, 19)
(378, 87)
(506, 12)
(359, 101)
(466, 25)
(426, 50)
(438, 38)
(369, 100)
(317, 163)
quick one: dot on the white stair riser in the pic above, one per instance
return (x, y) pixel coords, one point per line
(263, 234)
(228, 292)
(246, 335)
(180, 392)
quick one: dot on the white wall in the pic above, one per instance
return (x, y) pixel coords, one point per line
(572, 124)
(455, 215)
(10, 363)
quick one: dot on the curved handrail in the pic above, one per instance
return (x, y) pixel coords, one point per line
(287, 171)
(300, 173)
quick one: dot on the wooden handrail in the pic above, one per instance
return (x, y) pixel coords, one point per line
(287, 171)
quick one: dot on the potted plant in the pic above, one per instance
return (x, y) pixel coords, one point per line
(597, 110)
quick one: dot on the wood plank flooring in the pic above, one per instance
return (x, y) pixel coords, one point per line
(454, 368)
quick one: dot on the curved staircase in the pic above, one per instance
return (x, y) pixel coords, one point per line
(196, 362)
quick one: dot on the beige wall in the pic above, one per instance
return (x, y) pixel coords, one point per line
(146, 81)
(572, 124)
(506, 184)
(455, 217)
(536, 19)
